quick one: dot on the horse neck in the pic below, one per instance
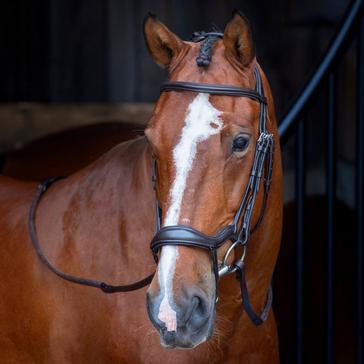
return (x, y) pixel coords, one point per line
(100, 220)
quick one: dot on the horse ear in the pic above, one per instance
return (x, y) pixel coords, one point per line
(162, 44)
(238, 39)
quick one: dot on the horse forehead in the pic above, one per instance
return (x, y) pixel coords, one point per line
(220, 70)
(192, 115)
(165, 127)
(201, 120)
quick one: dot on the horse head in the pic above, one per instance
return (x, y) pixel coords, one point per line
(205, 146)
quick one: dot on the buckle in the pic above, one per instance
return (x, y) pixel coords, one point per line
(225, 268)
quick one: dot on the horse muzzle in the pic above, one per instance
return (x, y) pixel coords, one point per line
(194, 315)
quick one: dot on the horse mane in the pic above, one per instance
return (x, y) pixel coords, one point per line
(208, 40)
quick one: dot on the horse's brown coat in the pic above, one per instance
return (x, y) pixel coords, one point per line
(98, 223)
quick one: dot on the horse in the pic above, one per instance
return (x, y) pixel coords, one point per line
(204, 185)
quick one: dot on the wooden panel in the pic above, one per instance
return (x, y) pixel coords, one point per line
(93, 50)
(22, 122)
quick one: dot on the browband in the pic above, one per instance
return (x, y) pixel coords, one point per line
(213, 89)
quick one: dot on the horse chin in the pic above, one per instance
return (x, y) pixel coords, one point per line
(181, 340)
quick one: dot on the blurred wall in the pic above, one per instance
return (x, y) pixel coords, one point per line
(93, 50)
(57, 52)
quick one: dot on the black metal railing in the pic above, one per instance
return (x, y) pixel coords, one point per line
(359, 188)
(294, 123)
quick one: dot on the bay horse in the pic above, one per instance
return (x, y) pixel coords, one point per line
(207, 149)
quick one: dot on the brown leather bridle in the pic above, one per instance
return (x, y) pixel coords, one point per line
(238, 232)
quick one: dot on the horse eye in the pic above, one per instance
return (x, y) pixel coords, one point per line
(240, 143)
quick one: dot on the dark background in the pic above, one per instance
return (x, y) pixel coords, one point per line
(67, 52)
(93, 50)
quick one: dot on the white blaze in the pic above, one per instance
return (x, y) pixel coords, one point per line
(202, 120)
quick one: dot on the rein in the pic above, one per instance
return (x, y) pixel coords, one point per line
(238, 232)
(106, 288)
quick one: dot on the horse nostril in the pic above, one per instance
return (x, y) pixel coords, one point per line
(197, 312)
(195, 302)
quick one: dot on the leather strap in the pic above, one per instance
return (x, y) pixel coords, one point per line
(213, 89)
(256, 318)
(105, 287)
(188, 236)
